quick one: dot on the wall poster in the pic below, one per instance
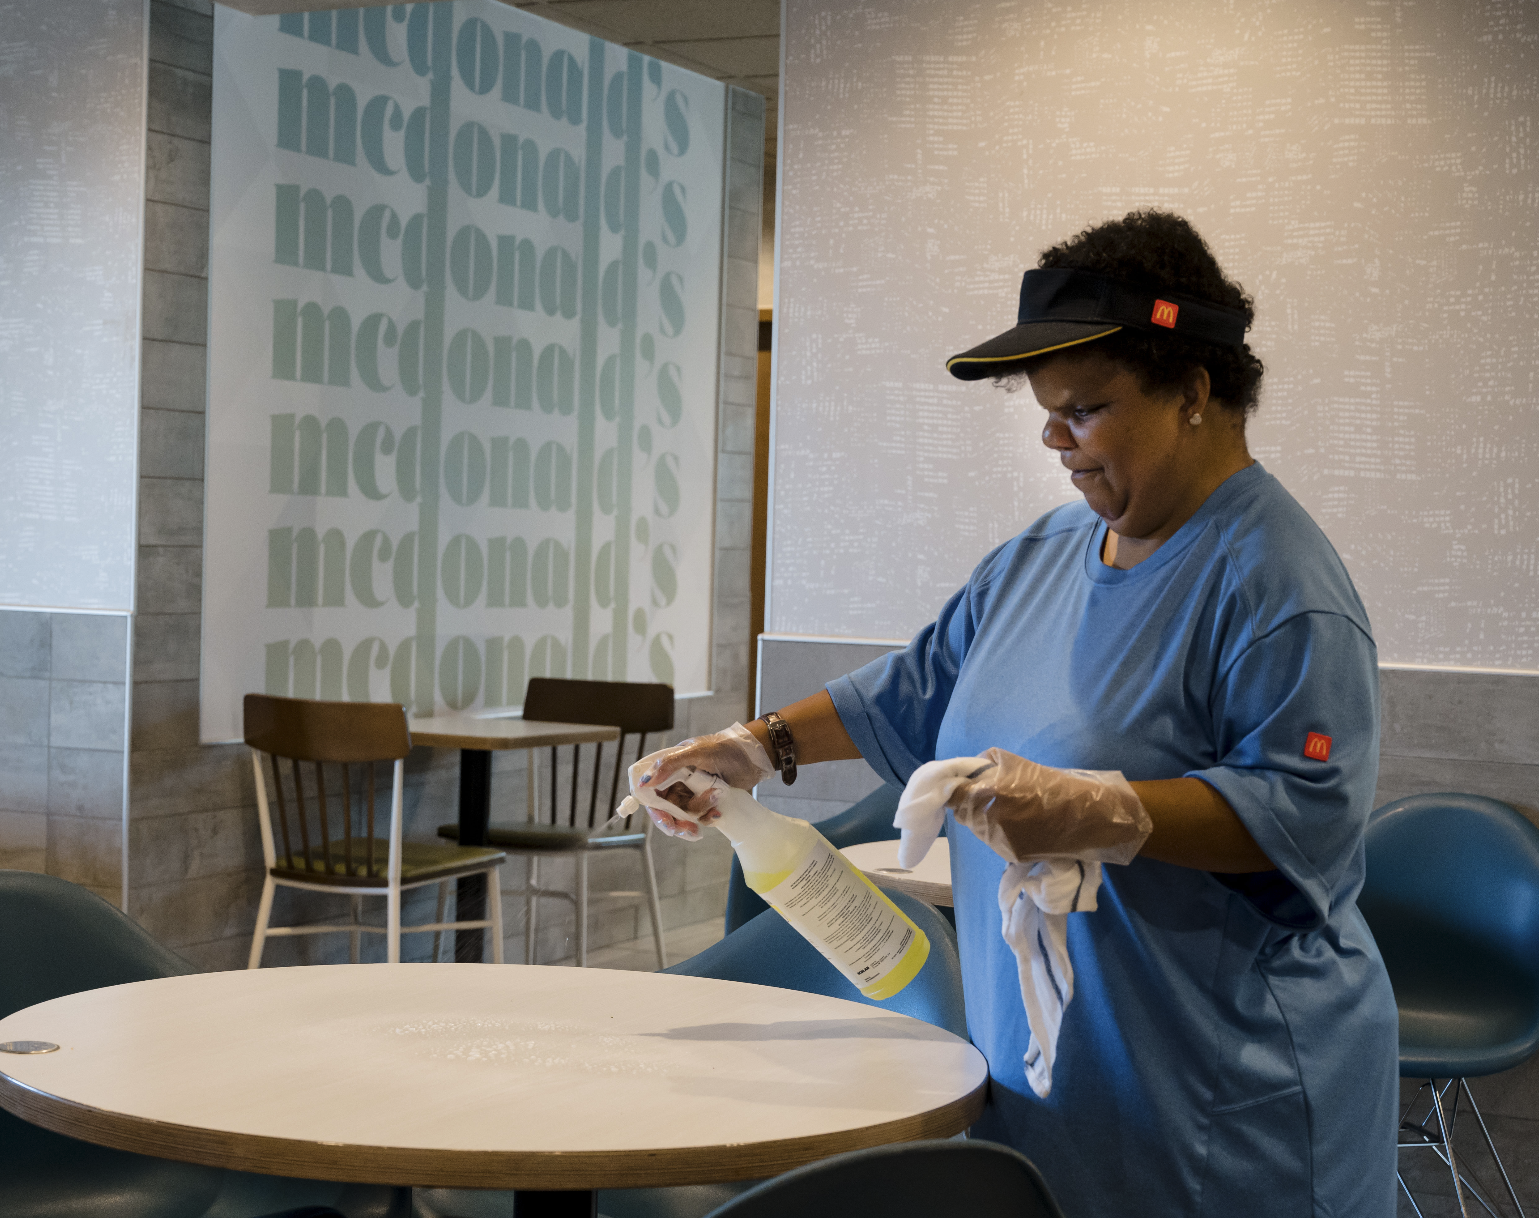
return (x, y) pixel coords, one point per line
(463, 345)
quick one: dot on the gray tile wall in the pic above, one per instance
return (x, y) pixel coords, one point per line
(193, 850)
(63, 684)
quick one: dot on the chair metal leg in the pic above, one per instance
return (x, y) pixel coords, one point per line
(1445, 1128)
(438, 916)
(494, 899)
(654, 905)
(264, 913)
(1491, 1146)
(531, 907)
(393, 925)
(354, 937)
(1407, 1191)
(582, 910)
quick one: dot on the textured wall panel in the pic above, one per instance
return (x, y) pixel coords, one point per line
(72, 81)
(1369, 171)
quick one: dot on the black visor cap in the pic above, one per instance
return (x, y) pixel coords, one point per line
(1062, 307)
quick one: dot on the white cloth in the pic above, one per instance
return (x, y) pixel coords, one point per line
(1035, 899)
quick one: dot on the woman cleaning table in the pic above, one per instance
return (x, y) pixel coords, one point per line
(1230, 1046)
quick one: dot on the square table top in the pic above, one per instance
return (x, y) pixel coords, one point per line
(469, 732)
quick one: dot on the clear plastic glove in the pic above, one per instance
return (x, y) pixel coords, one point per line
(1025, 812)
(733, 755)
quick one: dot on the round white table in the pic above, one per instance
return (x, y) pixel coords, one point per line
(478, 1076)
(930, 881)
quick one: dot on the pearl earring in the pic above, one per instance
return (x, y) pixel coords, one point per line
(1195, 419)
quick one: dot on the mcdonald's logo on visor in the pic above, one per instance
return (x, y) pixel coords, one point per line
(1165, 314)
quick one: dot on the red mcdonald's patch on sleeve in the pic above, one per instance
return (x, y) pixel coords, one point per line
(1165, 314)
(1317, 746)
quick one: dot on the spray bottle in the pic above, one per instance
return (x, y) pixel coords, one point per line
(817, 890)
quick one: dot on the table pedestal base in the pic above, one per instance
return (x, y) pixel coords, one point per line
(475, 813)
(581, 1203)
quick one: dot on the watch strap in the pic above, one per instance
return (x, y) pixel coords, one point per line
(782, 746)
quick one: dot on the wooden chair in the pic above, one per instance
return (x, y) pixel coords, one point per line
(581, 827)
(327, 825)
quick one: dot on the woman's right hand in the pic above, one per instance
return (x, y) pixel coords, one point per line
(734, 756)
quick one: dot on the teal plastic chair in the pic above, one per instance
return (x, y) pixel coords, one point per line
(57, 938)
(1452, 897)
(906, 1180)
(766, 951)
(869, 820)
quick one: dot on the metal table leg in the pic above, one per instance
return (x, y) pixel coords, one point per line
(475, 813)
(576, 1203)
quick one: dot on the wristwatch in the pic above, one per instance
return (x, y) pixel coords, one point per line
(782, 746)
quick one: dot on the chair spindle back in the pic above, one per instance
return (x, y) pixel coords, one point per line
(635, 708)
(334, 737)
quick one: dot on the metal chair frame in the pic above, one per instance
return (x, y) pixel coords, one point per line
(623, 840)
(636, 709)
(1439, 1140)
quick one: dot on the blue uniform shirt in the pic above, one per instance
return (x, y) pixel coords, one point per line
(1231, 1047)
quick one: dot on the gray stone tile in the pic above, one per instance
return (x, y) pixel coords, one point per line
(171, 446)
(175, 307)
(181, 37)
(746, 139)
(205, 909)
(170, 579)
(172, 376)
(734, 524)
(745, 187)
(740, 367)
(175, 238)
(180, 102)
(740, 391)
(734, 476)
(166, 646)
(176, 170)
(23, 711)
(23, 841)
(24, 777)
(732, 578)
(165, 715)
(729, 667)
(1469, 716)
(167, 849)
(1517, 785)
(172, 781)
(742, 290)
(170, 512)
(219, 955)
(740, 325)
(85, 782)
(86, 715)
(90, 647)
(86, 851)
(743, 237)
(24, 645)
(737, 428)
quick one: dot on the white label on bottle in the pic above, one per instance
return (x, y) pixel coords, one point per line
(827, 901)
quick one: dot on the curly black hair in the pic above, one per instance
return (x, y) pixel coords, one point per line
(1162, 252)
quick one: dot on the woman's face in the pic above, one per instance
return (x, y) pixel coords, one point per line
(1135, 456)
